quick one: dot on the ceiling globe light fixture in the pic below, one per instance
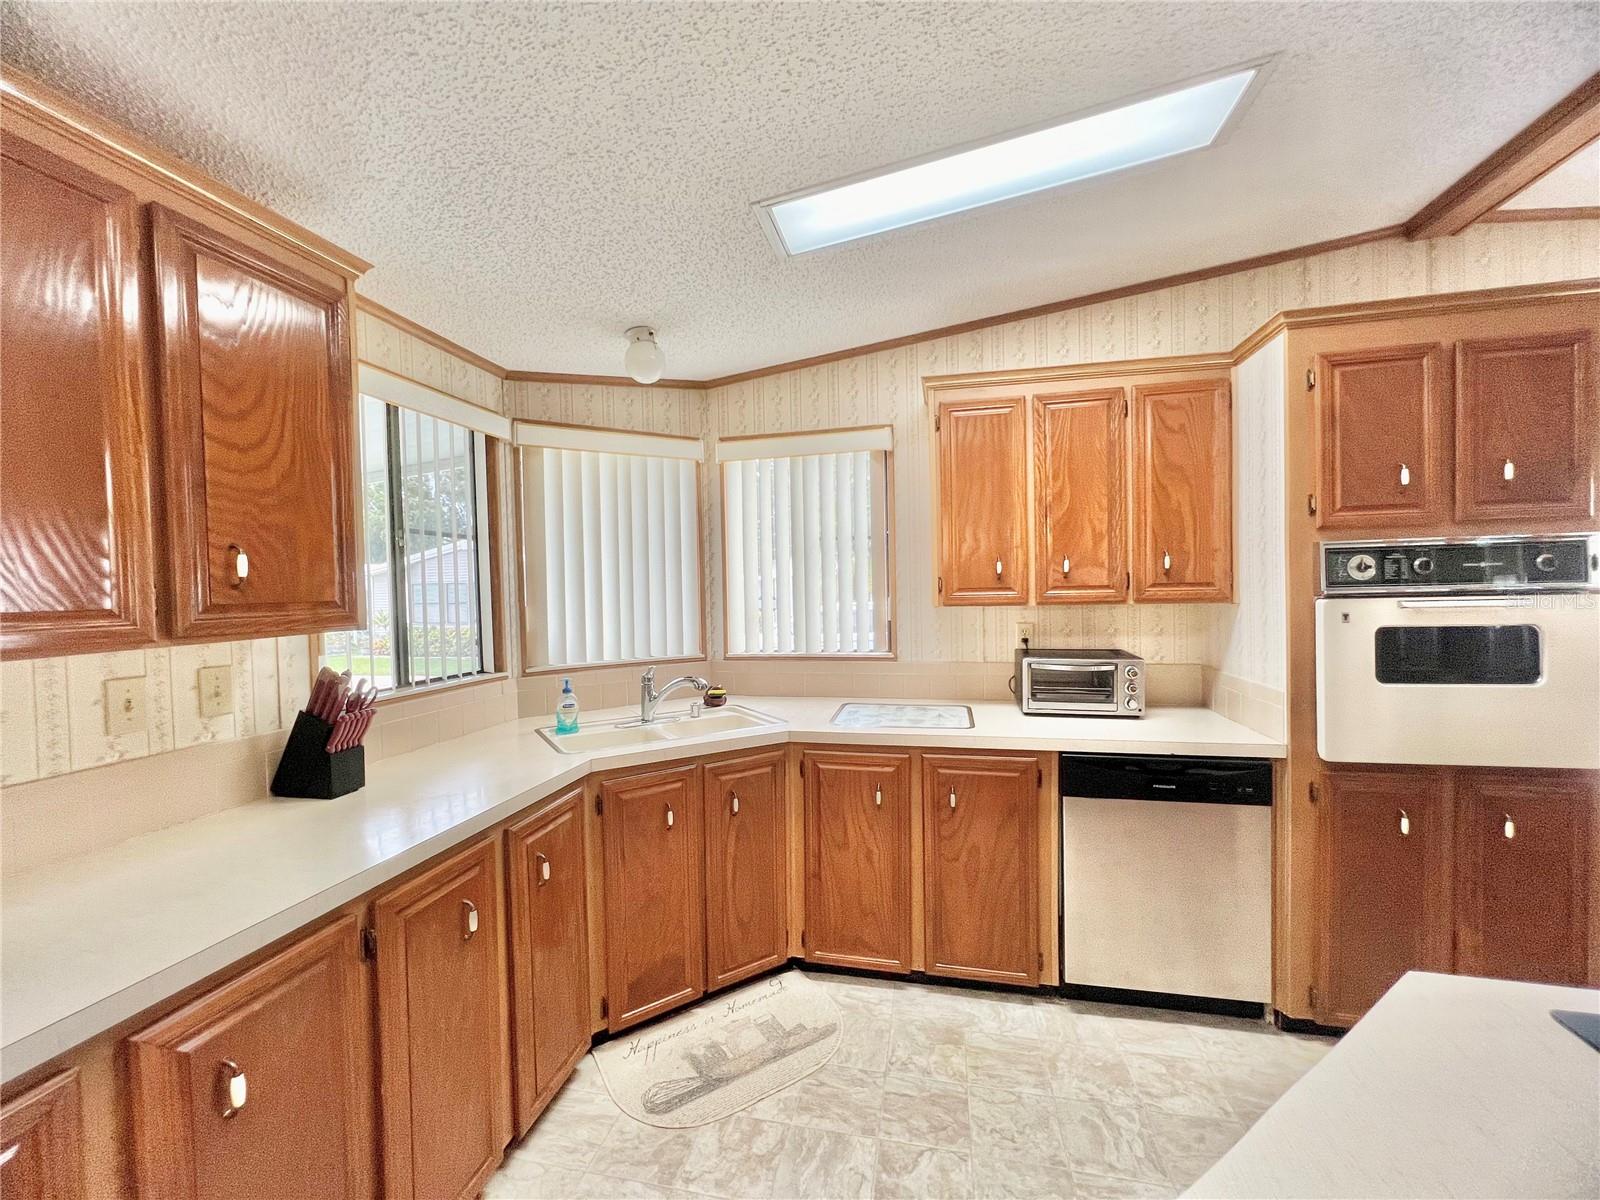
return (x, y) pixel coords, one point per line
(644, 360)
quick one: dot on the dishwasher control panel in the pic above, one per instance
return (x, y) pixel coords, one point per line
(1167, 777)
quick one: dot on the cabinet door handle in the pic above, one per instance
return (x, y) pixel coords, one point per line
(1509, 828)
(1066, 564)
(469, 920)
(998, 568)
(669, 816)
(1405, 475)
(952, 797)
(1166, 561)
(241, 565)
(9, 1153)
(544, 868)
(877, 795)
(234, 1086)
(1405, 823)
(733, 802)
(1509, 470)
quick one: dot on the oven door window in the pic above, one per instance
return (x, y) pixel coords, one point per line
(1458, 654)
(1082, 685)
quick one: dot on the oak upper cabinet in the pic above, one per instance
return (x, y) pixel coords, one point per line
(858, 859)
(981, 863)
(1385, 885)
(41, 1142)
(75, 515)
(1522, 889)
(1183, 491)
(983, 501)
(263, 1086)
(442, 1027)
(1080, 484)
(549, 952)
(747, 867)
(1383, 437)
(655, 925)
(1525, 412)
(256, 395)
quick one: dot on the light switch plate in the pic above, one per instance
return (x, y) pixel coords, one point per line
(124, 706)
(216, 691)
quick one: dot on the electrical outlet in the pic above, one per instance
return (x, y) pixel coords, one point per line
(1024, 632)
(124, 706)
(216, 691)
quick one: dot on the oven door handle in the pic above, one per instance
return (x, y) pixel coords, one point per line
(1470, 602)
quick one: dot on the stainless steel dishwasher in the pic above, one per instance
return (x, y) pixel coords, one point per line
(1166, 875)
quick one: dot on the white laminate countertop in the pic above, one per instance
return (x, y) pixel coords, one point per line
(88, 943)
(1450, 1086)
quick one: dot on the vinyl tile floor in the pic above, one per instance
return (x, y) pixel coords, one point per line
(942, 1092)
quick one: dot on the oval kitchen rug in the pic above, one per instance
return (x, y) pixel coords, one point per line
(724, 1054)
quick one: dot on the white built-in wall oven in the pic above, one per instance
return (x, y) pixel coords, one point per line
(1481, 652)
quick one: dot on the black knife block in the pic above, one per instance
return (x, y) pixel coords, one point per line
(309, 772)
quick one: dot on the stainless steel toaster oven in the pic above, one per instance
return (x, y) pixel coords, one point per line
(1080, 683)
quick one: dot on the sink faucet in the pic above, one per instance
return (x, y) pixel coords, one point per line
(649, 697)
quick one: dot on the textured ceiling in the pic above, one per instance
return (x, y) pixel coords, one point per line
(530, 179)
(1573, 184)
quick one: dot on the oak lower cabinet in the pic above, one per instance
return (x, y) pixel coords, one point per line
(1522, 891)
(1183, 491)
(263, 1086)
(442, 1027)
(75, 516)
(1525, 412)
(547, 882)
(983, 501)
(1386, 880)
(654, 893)
(980, 817)
(41, 1142)
(746, 866)
(858, 859)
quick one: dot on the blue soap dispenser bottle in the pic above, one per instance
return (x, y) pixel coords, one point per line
(567, 709)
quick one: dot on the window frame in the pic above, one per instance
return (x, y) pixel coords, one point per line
(485, 476)
(891, 651)
(527, 666)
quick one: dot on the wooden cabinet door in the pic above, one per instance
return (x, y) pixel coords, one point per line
(263, 1086)
(1522, 891)
(1183, 491)
(1525, 412)
(257, 401)
(1079, 452)
(655, 899)
(41, 1142)
(442, 1027)
(747, 867)
(549, 952)
(983, 501)
(1386, 883)
(1383, 436)
(75, 569)
(858, 860)
(980, 820)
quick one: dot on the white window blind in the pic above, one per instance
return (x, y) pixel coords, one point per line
(807, 543)
(612, 552)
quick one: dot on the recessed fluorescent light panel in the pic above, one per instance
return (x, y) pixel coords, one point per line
(1188, 118)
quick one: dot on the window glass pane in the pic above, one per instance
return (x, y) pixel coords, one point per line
(368, 653)
(612, 557)
(807, 554)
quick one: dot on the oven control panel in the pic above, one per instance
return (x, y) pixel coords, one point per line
(1562, 562)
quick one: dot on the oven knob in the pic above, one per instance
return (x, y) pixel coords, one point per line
(1545, 561)
(1133, 688)
(1132, 702)
(1132, 672)
(1422, 565)
(1361, 567)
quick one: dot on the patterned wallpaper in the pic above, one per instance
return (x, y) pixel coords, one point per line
(392, 348)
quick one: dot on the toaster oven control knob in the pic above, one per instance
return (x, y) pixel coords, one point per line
(1361, 567)
(1422, 565)
(1131, 702)
(1545, 561)
(1132, 672)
